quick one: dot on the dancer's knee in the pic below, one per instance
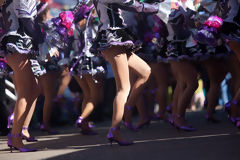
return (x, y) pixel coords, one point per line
(123, 92)
(146, 74)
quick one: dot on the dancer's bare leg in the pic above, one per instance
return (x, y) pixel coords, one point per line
(92, 93)
(179, 87)
(117, 58)
(233, 66)
(143, 71)
(86, 95)
(95, 91)
(140, 105)
(65, 80)
(27, 121)
(216, 72)
(160, 72)
(50, 91)
(235, 47)
(190, 78)
(27, 90)
(187, 81)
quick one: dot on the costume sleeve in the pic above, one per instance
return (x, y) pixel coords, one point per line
(135, 6)
(162, 9)
(25, 8)
(26, 12)
(120, 2)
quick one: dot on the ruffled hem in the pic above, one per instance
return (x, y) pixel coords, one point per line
(108, 38)
(17, 43)
(96, 71)
(12, 48)
(128, 44)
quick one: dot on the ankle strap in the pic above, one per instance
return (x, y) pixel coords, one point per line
(153, 91)
(80, 117)
(11, 117)
(24, 128)
(234, 101)
(128, 108)
(114, 128)
(14, 135)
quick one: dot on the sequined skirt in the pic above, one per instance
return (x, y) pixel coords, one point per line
(121, 37)
(88, 65)
(15, 42)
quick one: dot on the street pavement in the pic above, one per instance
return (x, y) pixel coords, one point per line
(159, 141)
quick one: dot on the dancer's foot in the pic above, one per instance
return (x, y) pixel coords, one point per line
(114, 136)
(84, 126)
(45, 128)
(143, 122)
(211, 118)
(15, 142)
(127, 114)
(162, 116)
(26, 136)
(180, 123)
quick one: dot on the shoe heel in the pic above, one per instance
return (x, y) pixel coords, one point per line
(11, 148)
(79, 122)
(110, 141)
(10, 121)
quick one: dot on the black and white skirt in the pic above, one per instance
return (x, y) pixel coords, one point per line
(88, 65)
(177, 50)
(15, 42)
(209, 52)
(120, 37)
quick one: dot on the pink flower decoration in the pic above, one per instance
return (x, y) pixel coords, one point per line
(70, 32)
(70, 16)
(214, 21)
(67, 24)
(216, 25)
(63, 16)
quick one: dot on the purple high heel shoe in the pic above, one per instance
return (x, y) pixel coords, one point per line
(28, 139)
(146, 123)
(79, 122)
(170, 120)
(112, 139)
(130, 126)
(169, 108)
(227, 108)
(211, 119)
(49, 131)
(10, 121)
(238, 124)
(162, 116)
(23, 149)
(187, 128)
(88, 132)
